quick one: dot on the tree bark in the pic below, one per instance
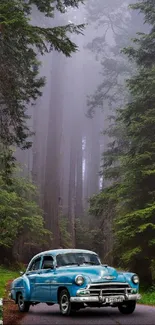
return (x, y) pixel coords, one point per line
(53, 152)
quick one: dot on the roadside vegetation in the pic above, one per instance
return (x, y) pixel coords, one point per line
(1, 311)
(148, 297)
(5, 276)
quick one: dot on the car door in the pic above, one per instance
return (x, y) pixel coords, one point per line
(44, 279)
(31, 274)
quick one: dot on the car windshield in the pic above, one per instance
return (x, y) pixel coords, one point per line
(77, 259)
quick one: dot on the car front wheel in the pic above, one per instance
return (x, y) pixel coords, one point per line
(127, 307)
(66, 307)
(23, 306)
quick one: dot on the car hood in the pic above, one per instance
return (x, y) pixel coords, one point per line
(95, 273)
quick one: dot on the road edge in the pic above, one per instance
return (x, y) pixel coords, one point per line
(11, 315)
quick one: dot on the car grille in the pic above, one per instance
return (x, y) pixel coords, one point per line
(106, 289)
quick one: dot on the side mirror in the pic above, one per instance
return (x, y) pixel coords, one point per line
(21, 272)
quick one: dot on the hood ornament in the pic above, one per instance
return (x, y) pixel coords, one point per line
(109, 277)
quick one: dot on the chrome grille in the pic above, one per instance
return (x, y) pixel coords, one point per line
(109, 289)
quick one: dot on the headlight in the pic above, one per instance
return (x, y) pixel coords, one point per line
(135, 279)
(79, 280)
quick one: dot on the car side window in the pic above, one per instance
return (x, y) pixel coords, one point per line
(35, 265)
(47, 262)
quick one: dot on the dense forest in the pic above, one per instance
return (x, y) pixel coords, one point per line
(77, 159)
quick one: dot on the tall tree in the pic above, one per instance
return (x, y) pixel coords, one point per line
(20, 42)
(92, 158)
(53, 150)
(119, 26)
(137, 191)
(134, 171)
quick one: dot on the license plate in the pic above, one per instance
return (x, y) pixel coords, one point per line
(113, 300)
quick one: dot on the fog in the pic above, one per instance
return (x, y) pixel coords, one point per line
(69, 118)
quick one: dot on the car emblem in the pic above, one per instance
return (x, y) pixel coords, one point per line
(109, 277)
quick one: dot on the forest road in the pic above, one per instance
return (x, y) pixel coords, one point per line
(45, 315)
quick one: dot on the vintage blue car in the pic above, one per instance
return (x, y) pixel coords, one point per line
(74, 279)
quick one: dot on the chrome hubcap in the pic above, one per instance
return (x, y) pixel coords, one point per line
(64, 303)
(21, 301)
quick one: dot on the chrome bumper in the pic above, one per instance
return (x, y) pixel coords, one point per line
(103, 299)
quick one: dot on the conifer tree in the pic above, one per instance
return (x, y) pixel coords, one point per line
(135, 224)
(130, 160)
(20, 43)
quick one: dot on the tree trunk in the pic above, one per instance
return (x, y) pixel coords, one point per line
(79, 180)
(72, 191)
(53, 152)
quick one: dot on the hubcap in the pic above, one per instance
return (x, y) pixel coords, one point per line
(21, 301)
(64, 303)
(124, 305)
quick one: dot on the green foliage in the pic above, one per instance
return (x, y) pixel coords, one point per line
(19, 212)
(83, 231)
(135, 223)
(6, 275)
(65, 236)
(48, 6)
(84, 234)
(21, 219)
(101, 203)
(129, 162)
(20, 43)
(148, 297)
(115, 19)
(103, 207)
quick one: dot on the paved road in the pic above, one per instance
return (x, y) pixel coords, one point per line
(45, 315)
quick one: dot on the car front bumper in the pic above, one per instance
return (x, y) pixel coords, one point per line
(105, 300)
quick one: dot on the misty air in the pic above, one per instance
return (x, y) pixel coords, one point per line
(77, 160)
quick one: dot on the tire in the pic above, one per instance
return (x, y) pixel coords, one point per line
(23, 306)
(66, 307)
(127, 307)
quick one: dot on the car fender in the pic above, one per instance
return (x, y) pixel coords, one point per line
(26, 288)
(128, 277)
(67, 281)
(22, 285)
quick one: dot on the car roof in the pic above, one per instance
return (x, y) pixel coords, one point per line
(56, 252)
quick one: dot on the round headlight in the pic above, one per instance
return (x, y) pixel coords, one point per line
(135, 279)
(79, 280)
